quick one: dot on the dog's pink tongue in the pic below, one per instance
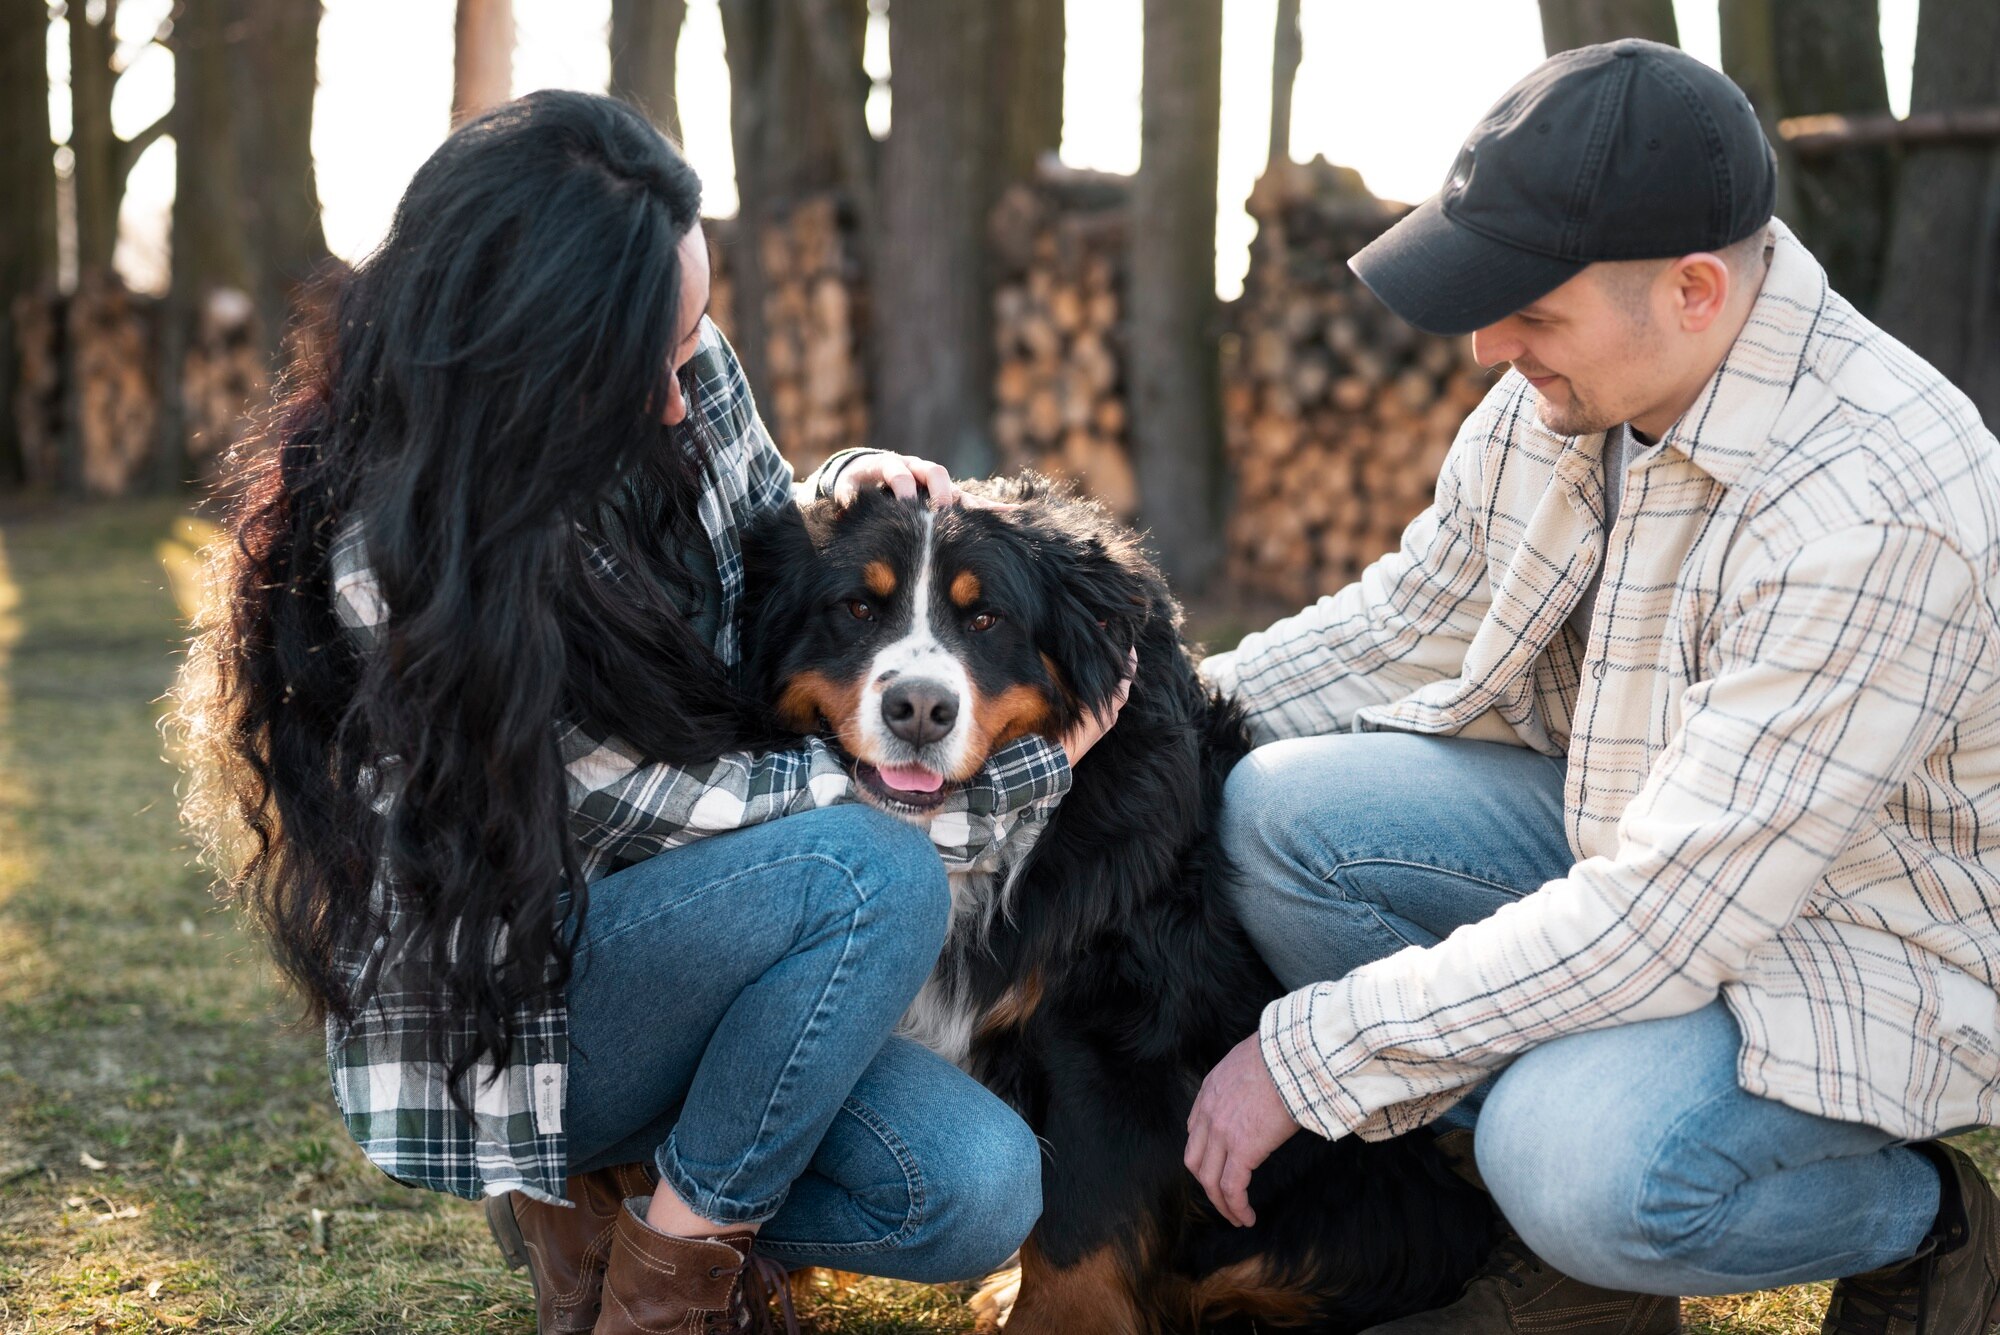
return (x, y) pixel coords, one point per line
(910, 778)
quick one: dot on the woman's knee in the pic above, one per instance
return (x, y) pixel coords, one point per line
(889, 870)
(983, 1211)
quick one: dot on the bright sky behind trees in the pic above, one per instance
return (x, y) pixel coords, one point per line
(1387, 88)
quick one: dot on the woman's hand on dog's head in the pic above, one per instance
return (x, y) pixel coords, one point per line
(902, 474)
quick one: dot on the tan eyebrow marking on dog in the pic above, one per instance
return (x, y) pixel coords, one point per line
(965, 588)
(881, 580)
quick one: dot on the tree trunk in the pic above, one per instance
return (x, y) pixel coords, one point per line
(103, 161)
(27, 199)
(1174, 373)
(1941, 277)
(1750, 57)
(834, 33)
(645, 38)
(274, 63)
(210, 249)
(1287, 51)
(934, 334)
(482, 58)
(1567, 24)
(1828, 57)
(1029, 83)
(785, 123)
(99, 186)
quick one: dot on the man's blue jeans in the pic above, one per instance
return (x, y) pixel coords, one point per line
(1626, 1157)
(730, 1017)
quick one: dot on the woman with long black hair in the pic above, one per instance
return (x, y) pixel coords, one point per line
(470, 747)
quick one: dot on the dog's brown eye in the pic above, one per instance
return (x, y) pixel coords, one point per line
(861, 609)
(984, 621)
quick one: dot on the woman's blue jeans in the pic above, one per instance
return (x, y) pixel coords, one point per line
(1626, 1157)
(730, 1016)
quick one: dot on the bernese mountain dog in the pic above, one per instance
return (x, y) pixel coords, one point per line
(1095, 983)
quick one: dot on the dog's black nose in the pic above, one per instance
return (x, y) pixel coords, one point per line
(919, 711)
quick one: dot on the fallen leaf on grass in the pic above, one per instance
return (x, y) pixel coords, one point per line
(153, 1289)
(92, 1162)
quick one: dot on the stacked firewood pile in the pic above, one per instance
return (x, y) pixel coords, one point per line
(40, 406)
(815, 395)
(111, 333)
(1337, 415)
(87, 400)
(223, 378)
(1058, 386)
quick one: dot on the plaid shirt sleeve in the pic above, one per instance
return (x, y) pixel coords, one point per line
(1404, 624)
(1840, 665)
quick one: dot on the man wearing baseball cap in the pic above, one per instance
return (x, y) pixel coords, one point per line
(1640, 817)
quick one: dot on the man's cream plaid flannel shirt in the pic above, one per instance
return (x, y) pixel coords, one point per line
(1783, 742)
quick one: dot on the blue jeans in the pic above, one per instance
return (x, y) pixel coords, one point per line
(730, 1017)
(1626, 1157)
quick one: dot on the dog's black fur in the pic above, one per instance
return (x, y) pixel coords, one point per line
(1118, 974)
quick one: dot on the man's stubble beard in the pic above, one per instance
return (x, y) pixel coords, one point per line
(1578, 417)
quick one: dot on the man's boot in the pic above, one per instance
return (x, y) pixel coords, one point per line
(1516, 1293)
(565, 1251)
(1951, 1286)
(658, 1282)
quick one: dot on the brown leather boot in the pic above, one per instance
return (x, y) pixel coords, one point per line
(565, 1250)
(659, 1283)
(1951, 1286)
(1517, 1293)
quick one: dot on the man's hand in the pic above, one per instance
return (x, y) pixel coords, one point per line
(901, 473)
(1238, 1119)
(1093, 726)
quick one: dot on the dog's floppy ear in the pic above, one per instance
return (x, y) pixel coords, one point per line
(1097, 593)
(778, 551)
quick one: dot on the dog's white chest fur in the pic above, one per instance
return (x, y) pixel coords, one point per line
(944, 1016)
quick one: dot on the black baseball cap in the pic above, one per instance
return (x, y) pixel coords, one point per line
(1625, 150)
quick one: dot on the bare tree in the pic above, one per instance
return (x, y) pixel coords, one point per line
(274, 67)
(482, 61)
(1941, 277)
(27, 197)
(210, 248)
(1804, 57)
(1174, 375)
(103, 161)
(1567, 24)
(787, 122)
(1028, 83)
(1750, 57)
(645, 38)
(933, 338)
(1287, 50)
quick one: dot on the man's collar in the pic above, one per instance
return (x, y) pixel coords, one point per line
(1729, 424)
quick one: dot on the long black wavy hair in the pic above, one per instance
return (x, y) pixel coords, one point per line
(487, 404)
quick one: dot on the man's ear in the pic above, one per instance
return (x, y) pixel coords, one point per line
(1702, 284)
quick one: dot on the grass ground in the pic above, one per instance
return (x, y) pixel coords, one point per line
(169, 1155)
